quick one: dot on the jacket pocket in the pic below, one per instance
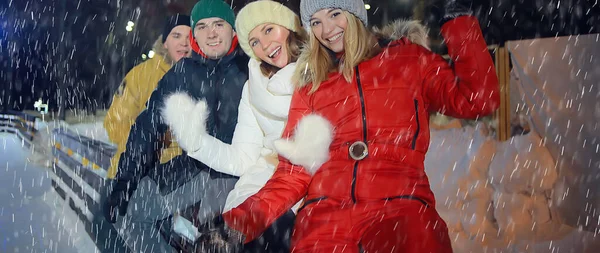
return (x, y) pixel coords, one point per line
(310, 201)
(409, 197)
(414, 140)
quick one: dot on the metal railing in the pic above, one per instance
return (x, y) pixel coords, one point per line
(20, 124)
(80, 165)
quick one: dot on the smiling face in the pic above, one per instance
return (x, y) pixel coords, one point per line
(178, 43)
(328, 26)
(214, 37)
(269, 43)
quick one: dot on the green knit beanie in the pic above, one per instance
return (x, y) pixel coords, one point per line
(212, 9)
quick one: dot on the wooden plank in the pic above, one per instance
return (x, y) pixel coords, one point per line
(503, 114)
(497, 113)
(506, 101)
(502, 125)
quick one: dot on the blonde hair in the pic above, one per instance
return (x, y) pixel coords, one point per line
(316, 61)
(294, 42)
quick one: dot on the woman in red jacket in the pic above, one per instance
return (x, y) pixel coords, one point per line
(357, 132)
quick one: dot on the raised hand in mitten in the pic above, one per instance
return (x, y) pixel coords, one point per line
(217, 237)
(309, 147)
(186, 117)
(456, 8)
(446, 10)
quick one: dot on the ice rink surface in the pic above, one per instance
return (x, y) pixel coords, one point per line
(33, 217)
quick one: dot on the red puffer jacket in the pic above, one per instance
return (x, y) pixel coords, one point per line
(387, 106)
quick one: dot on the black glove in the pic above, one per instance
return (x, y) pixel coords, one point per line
(457, 8)
(117, 200)
(217, 237)
(446, 10)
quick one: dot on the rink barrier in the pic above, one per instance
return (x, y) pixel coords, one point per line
(20, 124)
(79, 174)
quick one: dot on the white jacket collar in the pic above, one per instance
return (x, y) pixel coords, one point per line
(266, 93)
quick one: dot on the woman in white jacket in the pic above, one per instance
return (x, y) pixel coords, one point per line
(271, 35)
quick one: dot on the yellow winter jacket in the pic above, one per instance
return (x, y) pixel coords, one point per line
(130, 100)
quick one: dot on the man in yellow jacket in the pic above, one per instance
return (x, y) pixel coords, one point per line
(130, 99)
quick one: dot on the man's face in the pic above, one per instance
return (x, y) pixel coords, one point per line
(178, 43)
(214, 37)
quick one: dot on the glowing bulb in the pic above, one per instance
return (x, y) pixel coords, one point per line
(151, 54)
(367, 6)
(144, 56)
(129, 28)
(130, 23)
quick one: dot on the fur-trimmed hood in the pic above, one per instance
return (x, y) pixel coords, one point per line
(413, 30)
(159, 48)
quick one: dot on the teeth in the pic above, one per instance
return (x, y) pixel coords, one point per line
(274, 52)
(214, 44)
(335, 37)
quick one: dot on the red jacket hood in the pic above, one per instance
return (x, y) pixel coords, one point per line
(408, 31)
(412, 30)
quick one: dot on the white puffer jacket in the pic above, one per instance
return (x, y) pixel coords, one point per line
(262, 115)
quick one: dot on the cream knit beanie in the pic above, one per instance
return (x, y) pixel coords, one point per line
(260, 12)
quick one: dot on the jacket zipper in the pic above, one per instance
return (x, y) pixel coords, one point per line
(414, 141)
(364, 121)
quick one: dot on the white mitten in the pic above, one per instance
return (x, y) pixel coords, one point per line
(309, 147)
(186, 118)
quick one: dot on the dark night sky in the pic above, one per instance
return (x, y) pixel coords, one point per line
(95, 51)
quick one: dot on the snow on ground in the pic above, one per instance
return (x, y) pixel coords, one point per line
(43, 141)
(88, 126)
(93, 130)
(33, 218)
(495, 196)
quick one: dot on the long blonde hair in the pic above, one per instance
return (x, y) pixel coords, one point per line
(316, 61)
(294, 42)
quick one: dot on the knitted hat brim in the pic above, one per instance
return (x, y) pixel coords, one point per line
(262, 12)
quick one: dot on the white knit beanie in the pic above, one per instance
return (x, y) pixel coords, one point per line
(310, 7)
(260, 12)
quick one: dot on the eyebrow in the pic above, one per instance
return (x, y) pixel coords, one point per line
(330, 11)
(214, 22)
(261, 30)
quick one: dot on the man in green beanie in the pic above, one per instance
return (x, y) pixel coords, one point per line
(213, 24)
(145, 193)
